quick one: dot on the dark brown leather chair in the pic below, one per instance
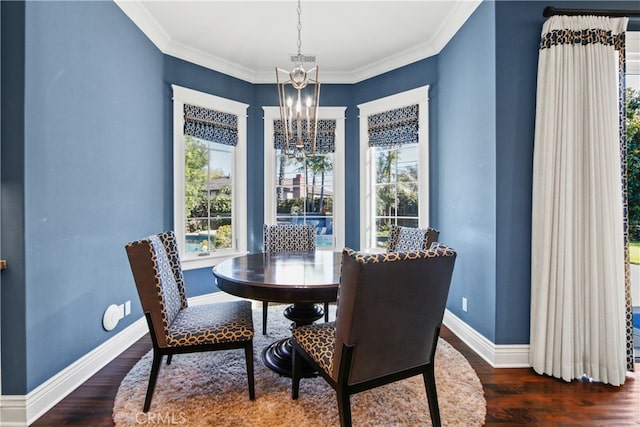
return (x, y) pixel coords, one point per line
(410, 238)
(390, 310)
(174, 326)
(289, 238)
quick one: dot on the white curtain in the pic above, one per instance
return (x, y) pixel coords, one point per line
(578, 261)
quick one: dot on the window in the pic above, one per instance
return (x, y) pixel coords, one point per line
(209, 158)
(394, 161)
(309, 191)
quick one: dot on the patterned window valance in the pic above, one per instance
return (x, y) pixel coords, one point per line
(394, 127)
(325, 138)
(210, 125)
(582, 37)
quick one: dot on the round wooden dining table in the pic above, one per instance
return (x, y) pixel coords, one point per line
(300, 278)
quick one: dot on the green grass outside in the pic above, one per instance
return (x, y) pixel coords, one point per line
(634, 252)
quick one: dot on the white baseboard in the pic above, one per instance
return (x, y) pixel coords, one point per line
(13, 411)
(21, 410)
(498, 356)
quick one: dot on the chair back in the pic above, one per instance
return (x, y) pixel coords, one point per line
(157, 272)
(392, 328)
(289, 237)
(410, 238)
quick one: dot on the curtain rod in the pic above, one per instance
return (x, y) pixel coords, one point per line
(551, 11)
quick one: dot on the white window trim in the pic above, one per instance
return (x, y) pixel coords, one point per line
(338, 113)
(418, 96)
(183, 96)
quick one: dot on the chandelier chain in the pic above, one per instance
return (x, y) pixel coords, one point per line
(299, 30)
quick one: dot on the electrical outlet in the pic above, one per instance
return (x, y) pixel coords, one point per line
(464, 304)
(127, 308)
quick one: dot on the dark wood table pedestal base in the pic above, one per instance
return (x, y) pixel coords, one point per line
(278, 355)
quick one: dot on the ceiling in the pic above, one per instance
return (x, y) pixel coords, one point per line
(352, 39)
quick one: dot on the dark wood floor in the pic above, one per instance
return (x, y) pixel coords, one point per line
(515, 397)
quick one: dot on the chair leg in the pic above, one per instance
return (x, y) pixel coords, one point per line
(169, 359)
(432, 395)
(344, 407)
(153, 376)
(295, 373)
(326, 311)
(265, 309)
(248, 355)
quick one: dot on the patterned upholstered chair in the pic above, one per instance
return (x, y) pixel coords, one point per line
(287, 238)
(382, 333)
(176, 327)
(410, 239)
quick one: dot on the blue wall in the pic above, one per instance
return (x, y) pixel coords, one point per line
(517, 56)
(89, 167)
(88, 154)
(13, 308)
(466, 156)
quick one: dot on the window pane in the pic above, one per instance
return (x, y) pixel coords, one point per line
(208, 196)
(386, 200)
(195, 161)
(396, 189)
(198, 236)
(382, 231)
(287, 167)
(304, 194)
(408, 222)
(324, 231)
(385, 165)
(407, 200)
(223, 237)
(407, 164)
(220, 161)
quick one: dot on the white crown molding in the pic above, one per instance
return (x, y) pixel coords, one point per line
(22, 410)
(498, 356)
(198, 57)
(136, 11)
(140, 16)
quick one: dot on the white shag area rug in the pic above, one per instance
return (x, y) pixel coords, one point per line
(210, 389)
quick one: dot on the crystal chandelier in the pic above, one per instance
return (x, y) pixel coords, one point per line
(298, 95)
